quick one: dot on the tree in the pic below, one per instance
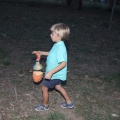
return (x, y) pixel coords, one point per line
(110, 4)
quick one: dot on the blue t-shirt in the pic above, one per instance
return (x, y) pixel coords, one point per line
(57, 55)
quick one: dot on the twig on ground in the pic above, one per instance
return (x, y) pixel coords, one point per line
(16, 94)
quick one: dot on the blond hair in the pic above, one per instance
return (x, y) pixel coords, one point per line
(61, 29)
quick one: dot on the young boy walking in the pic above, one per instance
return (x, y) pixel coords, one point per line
(56, 66)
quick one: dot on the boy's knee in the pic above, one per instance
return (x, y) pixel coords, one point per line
(58, 87)
(44, 88)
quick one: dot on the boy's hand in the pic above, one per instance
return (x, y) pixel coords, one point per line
(48, 75)
(38, 55)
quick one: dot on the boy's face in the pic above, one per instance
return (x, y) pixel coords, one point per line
(55, 37)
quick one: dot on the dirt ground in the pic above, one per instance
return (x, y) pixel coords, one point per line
(93, 62)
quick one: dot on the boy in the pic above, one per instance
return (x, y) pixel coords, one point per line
(56, 69)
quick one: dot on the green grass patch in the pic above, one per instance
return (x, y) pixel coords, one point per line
(17, 81)
(4, 57)
(6, 63)
(33, 118)
(97, 110)
(3, 53)
(56, 116)
(109, 78)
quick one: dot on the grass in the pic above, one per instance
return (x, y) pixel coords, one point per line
(17, 81)
(56, 116)
(2, 53)
(91, 103)
(51, 116)
(4, 57)
(113, 79)
(6, 63)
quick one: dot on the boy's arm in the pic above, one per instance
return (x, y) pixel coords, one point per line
(58, 68)
(39, 53)
(43, 53)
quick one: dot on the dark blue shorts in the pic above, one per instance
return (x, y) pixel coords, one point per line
(51, 83)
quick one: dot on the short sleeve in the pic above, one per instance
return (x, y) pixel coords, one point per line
(61, 55)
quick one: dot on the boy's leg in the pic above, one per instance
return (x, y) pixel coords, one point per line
(63, 92)
(68, 103)
(44, 105)
(45, 95)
